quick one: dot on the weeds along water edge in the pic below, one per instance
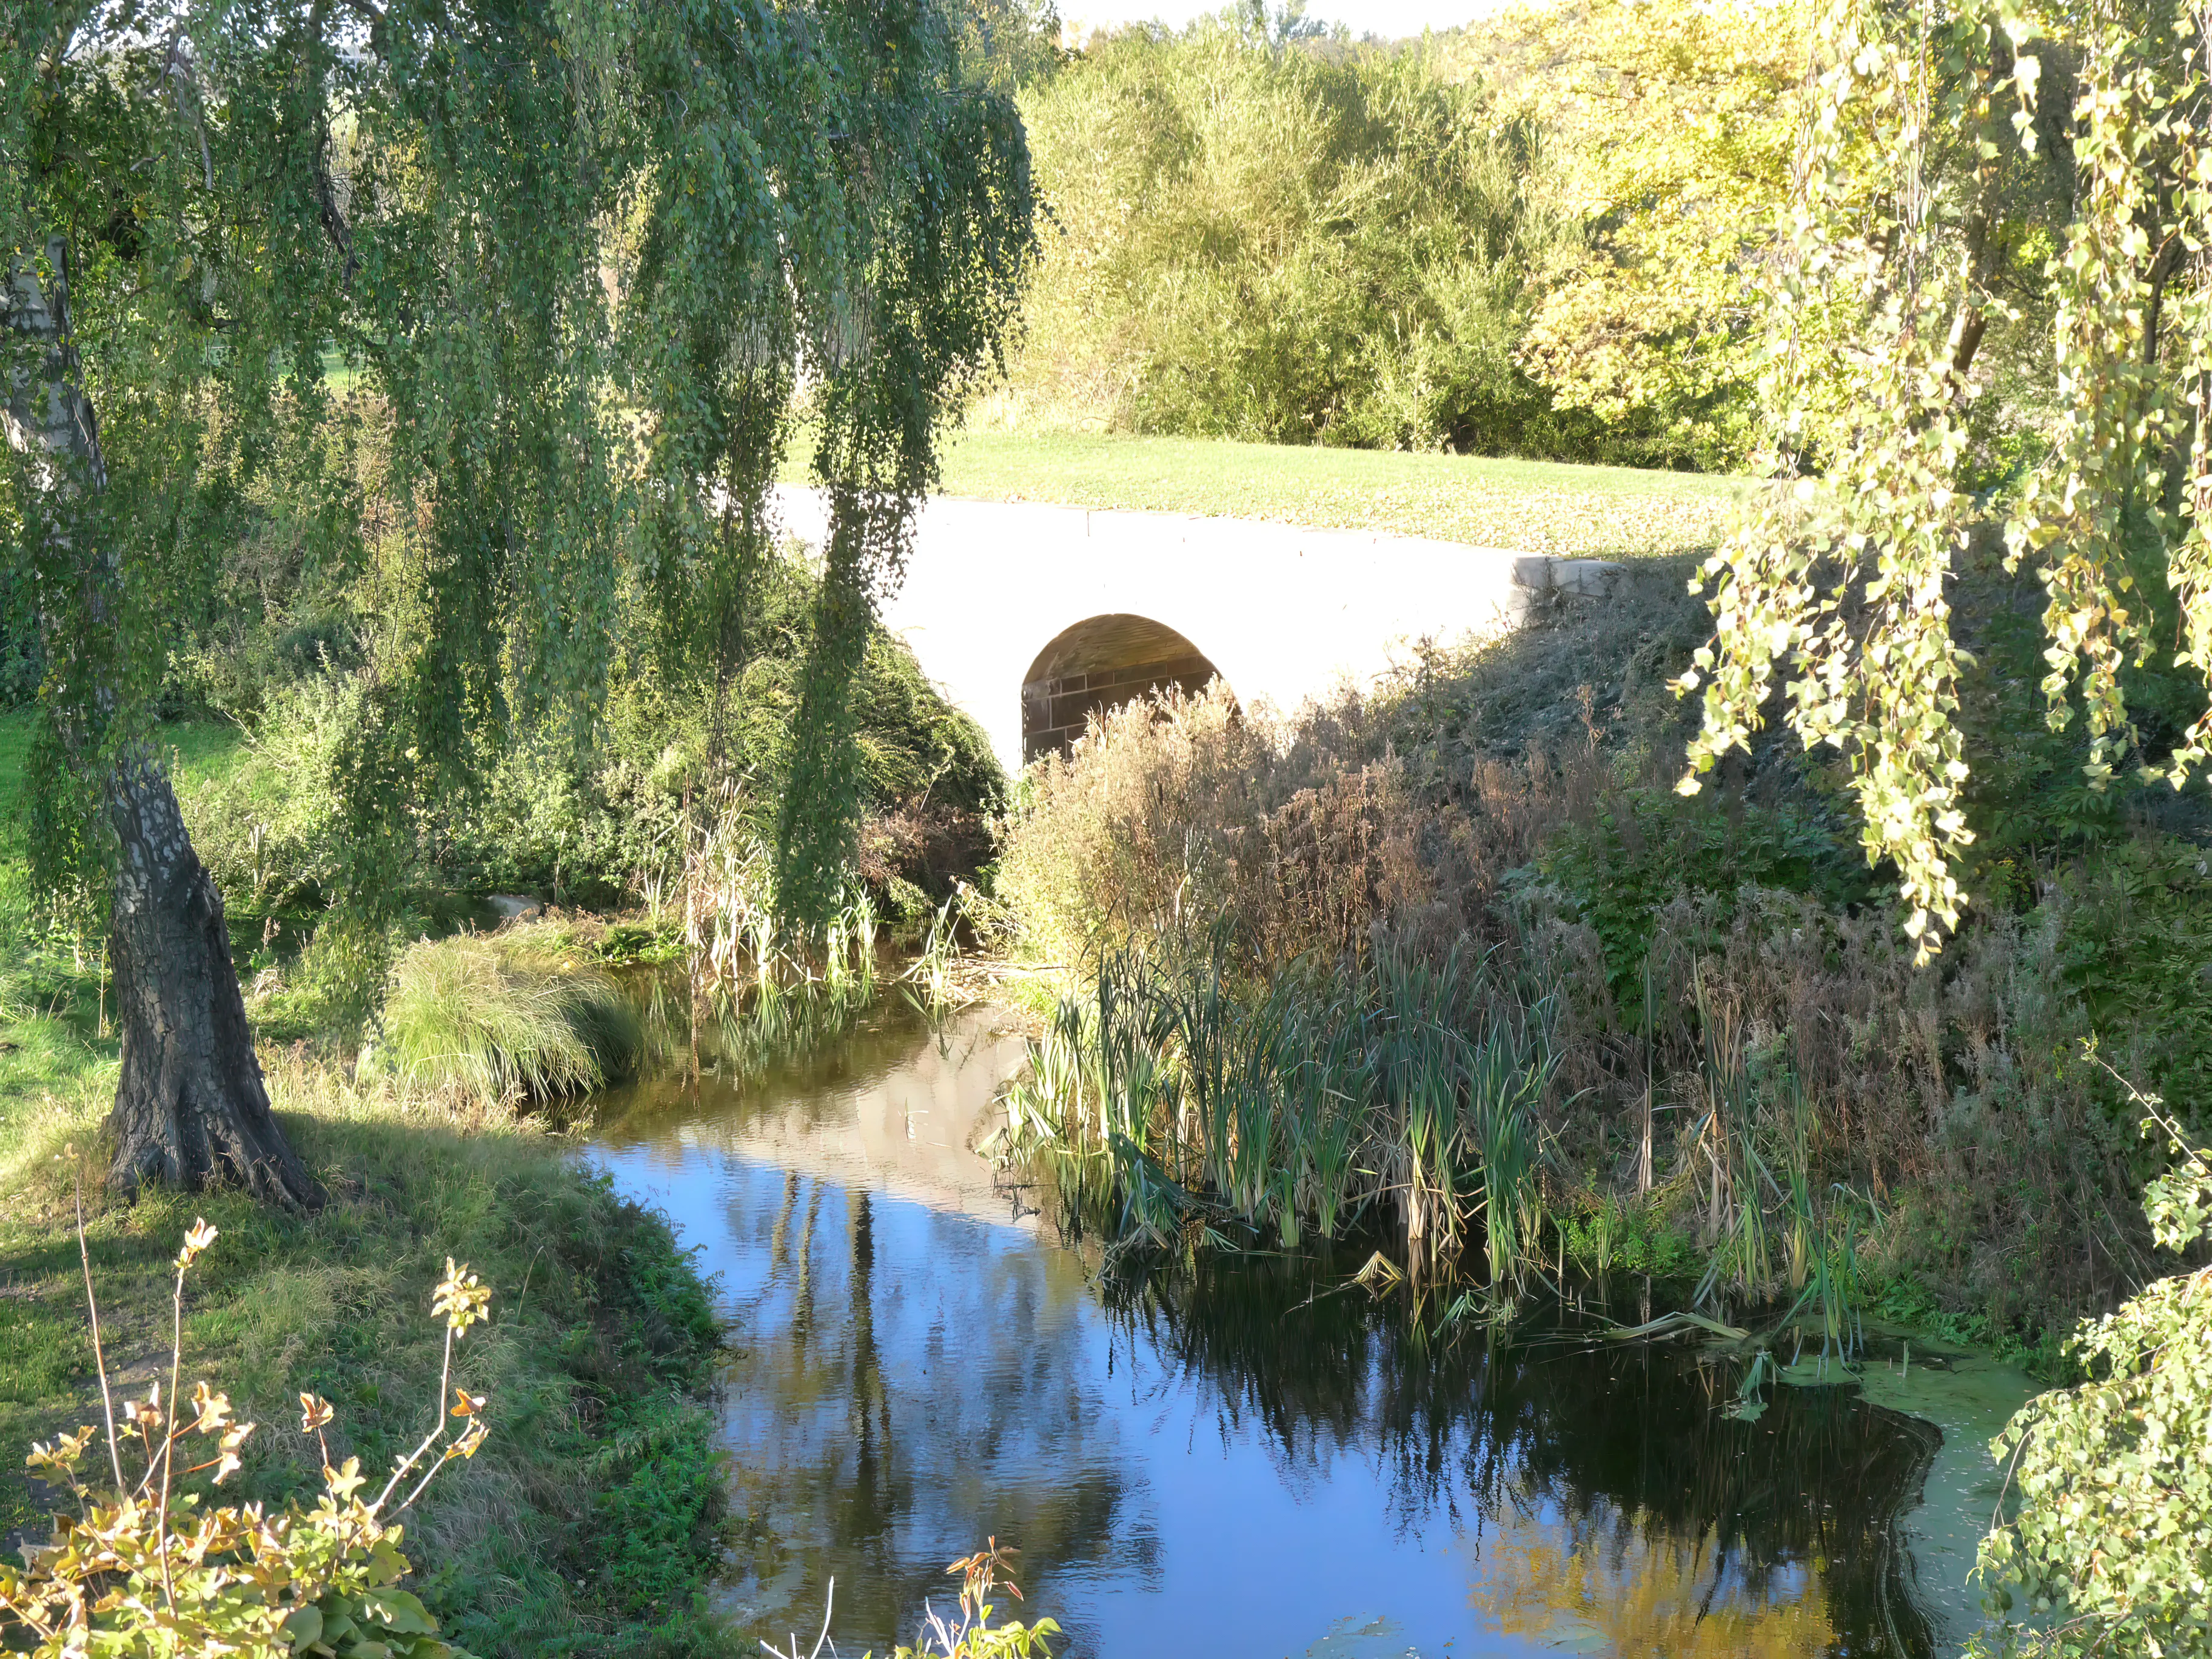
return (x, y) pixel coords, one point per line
(533, 1013)
(502, 1017)
(589, 1524)
(1178, 1107)
(738, 933)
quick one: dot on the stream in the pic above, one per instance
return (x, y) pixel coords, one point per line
(1256, 1457)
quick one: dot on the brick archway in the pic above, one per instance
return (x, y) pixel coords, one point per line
(1098, 665)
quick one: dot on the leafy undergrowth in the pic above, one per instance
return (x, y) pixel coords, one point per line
(591, 1518)
(1530, 507)
(1743, 1058)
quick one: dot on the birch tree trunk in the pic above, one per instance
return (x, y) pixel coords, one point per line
(191, 1107)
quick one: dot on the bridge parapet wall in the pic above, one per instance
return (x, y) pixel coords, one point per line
(1284, 613)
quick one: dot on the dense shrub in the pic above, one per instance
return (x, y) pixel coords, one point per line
(272, 831)
(1177, 813)
(2110, 1538)
(597, 821)
(1669, 135)
(1645, 848)
(1289, 242)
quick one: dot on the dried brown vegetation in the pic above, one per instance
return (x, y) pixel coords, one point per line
(1733, 950)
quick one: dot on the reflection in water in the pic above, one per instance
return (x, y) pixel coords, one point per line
(1624, 1588)
(1614, 1452)
(1249, 1459)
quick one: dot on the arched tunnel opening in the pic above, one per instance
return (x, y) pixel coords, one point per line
(1096, 666)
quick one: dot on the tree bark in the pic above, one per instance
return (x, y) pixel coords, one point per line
(190, 1109)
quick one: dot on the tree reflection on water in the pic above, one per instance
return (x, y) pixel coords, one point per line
(1606, 1494)
(1238, 1458)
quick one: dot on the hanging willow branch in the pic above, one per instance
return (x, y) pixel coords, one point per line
(580, 270)
(1919, 120)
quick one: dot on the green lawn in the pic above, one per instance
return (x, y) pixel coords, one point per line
(1533, 507)
(197, 751)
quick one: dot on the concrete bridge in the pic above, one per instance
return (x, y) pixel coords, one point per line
(1028, 617)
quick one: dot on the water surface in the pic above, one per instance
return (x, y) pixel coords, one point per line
(1256, 1459)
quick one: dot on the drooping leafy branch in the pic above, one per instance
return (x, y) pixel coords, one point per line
(1923, 159)
(569, 269)
(578, 267)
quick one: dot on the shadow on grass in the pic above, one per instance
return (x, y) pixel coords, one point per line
(589, 1521)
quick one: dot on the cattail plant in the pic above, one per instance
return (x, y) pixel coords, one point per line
(1178, 1106)
(737, 932)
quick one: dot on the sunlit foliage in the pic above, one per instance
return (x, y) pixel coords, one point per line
(1938, 153)
(2113, 1540)
(152, 1564)
(579, 268)
(1668, 133)
(1284, 241)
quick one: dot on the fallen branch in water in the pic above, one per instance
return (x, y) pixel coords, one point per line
(1673, 1324)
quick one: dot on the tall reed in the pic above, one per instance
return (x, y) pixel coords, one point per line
(928, 982)
(736, 931)
(1752, 1145)
(1399, 1092)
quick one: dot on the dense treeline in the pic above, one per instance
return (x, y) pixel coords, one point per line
(1547, 235)
(1286, 246)
(1424, 244)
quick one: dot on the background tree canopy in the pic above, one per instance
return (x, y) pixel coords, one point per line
(1282, 243)
(570, 273)
(1542, 235)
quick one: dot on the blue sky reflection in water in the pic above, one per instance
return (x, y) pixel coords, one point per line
(1218, 1465)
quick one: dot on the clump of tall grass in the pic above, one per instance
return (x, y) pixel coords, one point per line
(930, 983)
(1749, 1153)
(501, 1019)
(738, 934)
(1305, 835)
(1397, 1092)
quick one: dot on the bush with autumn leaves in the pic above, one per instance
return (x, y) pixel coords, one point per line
(152, 1568)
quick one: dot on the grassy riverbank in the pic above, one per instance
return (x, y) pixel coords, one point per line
(591, 1518)
(1533, 507)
